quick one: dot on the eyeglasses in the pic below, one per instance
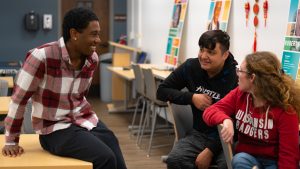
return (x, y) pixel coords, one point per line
(238, 70)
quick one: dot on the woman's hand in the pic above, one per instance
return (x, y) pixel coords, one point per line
(227, 131)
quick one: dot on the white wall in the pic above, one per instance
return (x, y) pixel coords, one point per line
(150, 31)
(270, 38)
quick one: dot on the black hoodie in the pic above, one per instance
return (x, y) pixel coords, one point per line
(195, 79)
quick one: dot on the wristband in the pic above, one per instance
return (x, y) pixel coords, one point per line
(10, 144)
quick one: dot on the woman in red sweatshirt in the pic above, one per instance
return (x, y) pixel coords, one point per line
(266, 108)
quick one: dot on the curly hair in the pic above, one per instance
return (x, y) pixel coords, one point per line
(271, 83)
(79, 19)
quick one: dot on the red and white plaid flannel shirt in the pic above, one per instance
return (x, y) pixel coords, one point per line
(57, 92)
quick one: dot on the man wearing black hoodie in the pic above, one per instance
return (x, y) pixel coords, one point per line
(208, 78)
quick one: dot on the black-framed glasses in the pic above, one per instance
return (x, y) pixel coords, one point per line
(238, 70)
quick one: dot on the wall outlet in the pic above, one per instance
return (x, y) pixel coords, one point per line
(47, 21)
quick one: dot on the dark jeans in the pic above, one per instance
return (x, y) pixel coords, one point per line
(99, 146)
(184, 153)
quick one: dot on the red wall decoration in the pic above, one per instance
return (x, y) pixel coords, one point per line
(256, 9)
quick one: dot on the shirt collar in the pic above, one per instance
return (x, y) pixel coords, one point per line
(66, 57)
(64, 51)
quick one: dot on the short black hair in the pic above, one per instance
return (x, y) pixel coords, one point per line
(209, 39)
(79, 19)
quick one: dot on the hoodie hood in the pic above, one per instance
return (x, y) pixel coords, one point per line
(229, 67)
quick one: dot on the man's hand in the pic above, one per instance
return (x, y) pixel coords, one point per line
(201, 101)
(227, 131)
(12, 150)
(204, 159)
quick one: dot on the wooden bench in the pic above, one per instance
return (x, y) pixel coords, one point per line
(35, 157)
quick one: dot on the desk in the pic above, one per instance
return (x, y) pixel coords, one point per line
(161, 74)
(128, 76)
(37, 158)
(4, 104)
(122, 56)
(10, 80)
(125, 74)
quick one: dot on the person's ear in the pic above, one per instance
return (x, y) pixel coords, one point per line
(252, 77)
(73, 34)
(225, 55)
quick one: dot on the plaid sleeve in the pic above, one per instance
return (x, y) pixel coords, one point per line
(27, 83)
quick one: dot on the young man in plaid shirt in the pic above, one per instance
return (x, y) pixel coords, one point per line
(56, 76)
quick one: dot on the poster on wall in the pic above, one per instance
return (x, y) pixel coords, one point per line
(291, 52)
(218, 14)
(175, 32)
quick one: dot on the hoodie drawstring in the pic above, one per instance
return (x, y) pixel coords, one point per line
(267, 111)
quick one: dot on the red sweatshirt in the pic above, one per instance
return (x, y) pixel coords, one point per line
(267, 132)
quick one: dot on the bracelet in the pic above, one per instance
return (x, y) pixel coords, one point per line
(10, 144)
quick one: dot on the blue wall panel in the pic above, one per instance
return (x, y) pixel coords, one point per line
(15, 41)
(120, 27)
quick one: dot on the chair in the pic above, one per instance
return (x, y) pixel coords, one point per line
(183, 122)
(140, 89)
(156, 105)
(3, 87)
(183, 119)
(227, 149)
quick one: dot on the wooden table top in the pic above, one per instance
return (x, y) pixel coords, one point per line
(37, 158)
(126, 74)
(129, 75)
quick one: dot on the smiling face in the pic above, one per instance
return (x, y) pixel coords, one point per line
(212, 60)
(88, 39)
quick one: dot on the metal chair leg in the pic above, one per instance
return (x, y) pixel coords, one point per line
(142, 119)
(133, 127)
(152, 129)
(135, 111)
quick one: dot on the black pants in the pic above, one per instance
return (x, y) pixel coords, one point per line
(99, 146)
(184, 153)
